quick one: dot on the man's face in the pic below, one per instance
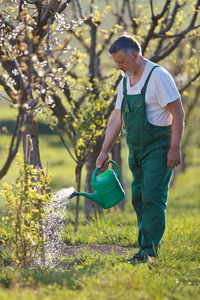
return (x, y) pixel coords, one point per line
(126, 64)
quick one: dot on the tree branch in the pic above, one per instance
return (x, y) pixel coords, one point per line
(49, 12)
(171, 19)
(80, 9)
(154, 24)
(178, 37)
(13, 147)
(189, 83)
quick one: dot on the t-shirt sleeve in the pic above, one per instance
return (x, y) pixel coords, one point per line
(165, 87)
(119, 95)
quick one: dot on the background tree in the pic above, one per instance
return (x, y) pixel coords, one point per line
(35, 67)
(160, 28)
(26, 65)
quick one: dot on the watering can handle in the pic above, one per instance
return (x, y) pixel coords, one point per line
(116, 169)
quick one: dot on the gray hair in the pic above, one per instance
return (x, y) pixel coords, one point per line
(127, 44)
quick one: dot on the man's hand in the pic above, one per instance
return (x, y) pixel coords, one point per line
(174, 157)
(102, 160)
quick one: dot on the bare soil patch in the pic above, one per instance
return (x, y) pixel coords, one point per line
(102, 249)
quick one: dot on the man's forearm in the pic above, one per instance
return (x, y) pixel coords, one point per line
(112, 132)
(177, 131)
(174, 154)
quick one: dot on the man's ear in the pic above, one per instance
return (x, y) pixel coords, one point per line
(135, 56)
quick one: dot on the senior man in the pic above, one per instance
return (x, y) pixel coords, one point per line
(149, 106)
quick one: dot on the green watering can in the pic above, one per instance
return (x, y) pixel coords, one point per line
(107, 188)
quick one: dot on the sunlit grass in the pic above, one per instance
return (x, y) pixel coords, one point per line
(174, 275)
(184, 197)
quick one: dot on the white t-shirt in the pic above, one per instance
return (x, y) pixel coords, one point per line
(161, 90)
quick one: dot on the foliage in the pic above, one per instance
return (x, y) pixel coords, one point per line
(26, 64)
(165, 39)
(44, 69)
(37, 60)
(22, 230)
(160, 29)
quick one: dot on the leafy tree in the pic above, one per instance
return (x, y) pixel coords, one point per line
(29, 51)
(160, 28)
(26, 65)
(35, 69)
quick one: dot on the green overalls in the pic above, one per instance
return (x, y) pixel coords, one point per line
(148, 147)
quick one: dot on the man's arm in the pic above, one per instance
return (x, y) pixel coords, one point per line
(112, 133)
(174, 154)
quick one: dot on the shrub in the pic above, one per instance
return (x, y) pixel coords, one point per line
(22, 230)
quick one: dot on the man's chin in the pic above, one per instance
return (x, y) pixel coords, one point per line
(127, 74)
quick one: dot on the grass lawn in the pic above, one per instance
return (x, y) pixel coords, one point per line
(90, 275)
(174, 275)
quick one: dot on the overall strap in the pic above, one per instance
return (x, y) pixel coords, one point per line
(124, 94)
(124, 86)
(143, 90)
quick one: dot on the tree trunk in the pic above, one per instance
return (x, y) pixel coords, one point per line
(91, 208)
(32, 129)
(32, 157)
(78, 174)
(116, 156)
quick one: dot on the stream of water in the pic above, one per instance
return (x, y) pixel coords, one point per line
(55, 225)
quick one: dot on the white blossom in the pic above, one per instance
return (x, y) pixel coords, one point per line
(41, 73)
(11, 81)
(26, 106)
(2, 95)
(34, 58)
(49, 100)
(15, 72)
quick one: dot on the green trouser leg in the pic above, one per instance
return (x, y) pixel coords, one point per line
(149, 199)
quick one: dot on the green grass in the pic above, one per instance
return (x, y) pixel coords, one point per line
(174, 275)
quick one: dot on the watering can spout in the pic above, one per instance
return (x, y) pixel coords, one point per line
(73, 194)
(95, 197)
